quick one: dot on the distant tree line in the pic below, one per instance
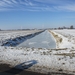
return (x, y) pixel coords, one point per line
(71, 27)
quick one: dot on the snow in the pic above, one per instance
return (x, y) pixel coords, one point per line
(46, 60)
(38, 59)
(68, 38)
(6, 35)
(67, 32)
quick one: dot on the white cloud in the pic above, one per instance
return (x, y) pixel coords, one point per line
(14, 1)
(69, 7)
(3, 4)
(38, 5)
(7, 1)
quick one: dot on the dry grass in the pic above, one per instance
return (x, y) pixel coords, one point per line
(72, 50)
(39, 48)
(71, 55)
(59, 49)
(57, 38)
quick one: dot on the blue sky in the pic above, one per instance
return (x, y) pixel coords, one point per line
(16, 14)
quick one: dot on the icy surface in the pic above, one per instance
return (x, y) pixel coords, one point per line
(43, 40)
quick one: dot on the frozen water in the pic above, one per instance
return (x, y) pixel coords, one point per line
(43, 40)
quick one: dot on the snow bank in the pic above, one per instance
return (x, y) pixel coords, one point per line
(12, 38)
(67, 42)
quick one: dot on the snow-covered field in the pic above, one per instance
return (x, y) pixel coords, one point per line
(5, 35)
(68, 38)
(49, 61)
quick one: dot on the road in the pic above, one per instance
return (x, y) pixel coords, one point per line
(42, 40)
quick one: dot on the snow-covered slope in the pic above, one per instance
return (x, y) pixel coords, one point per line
(9, 35)
(68, 38)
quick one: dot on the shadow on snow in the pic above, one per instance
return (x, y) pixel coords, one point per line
(21, 67)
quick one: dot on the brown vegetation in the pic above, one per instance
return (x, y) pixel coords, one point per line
(57, 38)
(71, 55)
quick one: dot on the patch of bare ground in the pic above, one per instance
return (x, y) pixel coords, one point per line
(5, 69)
(57, 38)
